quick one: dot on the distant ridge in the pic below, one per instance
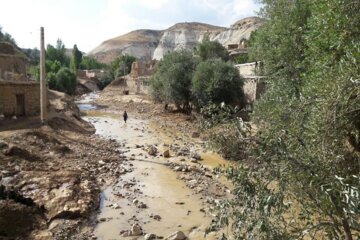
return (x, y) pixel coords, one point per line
(153, 44)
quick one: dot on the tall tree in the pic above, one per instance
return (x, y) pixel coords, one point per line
(172, 81)
(76, 58)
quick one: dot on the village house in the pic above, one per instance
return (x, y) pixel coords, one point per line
(140, 75)
(19, 96)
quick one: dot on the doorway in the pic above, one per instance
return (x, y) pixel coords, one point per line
(20, 105)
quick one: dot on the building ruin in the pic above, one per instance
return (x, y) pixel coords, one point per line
(254, 84)
(19, 96)
(139, 80)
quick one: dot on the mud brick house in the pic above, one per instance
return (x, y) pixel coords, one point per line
(19, 96)
(140, 75)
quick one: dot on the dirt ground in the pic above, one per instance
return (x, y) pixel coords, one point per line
(51, 175)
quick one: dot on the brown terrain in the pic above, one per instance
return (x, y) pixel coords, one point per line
(55, 179)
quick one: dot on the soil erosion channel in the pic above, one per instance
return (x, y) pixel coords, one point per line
(147, 191)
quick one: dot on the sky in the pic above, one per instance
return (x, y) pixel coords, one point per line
(88, 23)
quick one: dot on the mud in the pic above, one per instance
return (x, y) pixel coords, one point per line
(160, 194)
(152, 175)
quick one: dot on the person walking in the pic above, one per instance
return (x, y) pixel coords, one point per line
(125, 116)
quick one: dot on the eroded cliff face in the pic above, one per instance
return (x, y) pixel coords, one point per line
(152, 44)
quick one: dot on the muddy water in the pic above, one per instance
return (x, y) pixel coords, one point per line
(150, 192)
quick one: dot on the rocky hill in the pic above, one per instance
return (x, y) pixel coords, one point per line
(153, 44)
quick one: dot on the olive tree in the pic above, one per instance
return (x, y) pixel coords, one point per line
(171, 82)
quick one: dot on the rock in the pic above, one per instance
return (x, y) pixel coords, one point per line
(142, 205)
(150, 236)
(157, 217)
(178, 235)
(101, 162)
(3, 144)
(195, 135)
(166, 153)
(135, 201)
(116, 206)
(136, 230)
(152, 151)
(195, 156)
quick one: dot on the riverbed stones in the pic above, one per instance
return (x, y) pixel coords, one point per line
(152, 150)
(150, 236)
(136, 230)
(195, 156)
(178, 235)
(195, 135)
(166, 153)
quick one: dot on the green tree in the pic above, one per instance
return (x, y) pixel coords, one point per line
(66, 81)
(91, 63)
(171, 82)
(211, 49)
(121, 66)
(215, 81)
(304, 180)
(76, 58)
(57, 53)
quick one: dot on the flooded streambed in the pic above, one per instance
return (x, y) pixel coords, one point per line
(147, 191)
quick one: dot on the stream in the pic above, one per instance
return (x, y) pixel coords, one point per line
(149, 193)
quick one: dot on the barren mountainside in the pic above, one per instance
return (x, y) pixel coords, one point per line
(153, 44)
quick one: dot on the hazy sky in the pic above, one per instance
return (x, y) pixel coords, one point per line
(87, 23)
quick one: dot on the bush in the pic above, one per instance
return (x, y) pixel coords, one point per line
(66, 81)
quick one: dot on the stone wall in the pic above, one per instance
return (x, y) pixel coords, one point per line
(12, 64)
(253, 88)
(254, 85)
(8, 100)
(248, 68)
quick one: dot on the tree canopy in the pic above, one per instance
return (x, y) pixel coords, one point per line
(215, 81)
(171, 82)
(304, 178)
(121, 66)
(76, 59)
(211, 49)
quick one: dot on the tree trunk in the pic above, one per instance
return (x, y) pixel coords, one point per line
(347, 229)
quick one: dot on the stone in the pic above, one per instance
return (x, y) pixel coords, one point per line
(166, 153)
(178, 235)
(3, 144)
(150, 236)
(136, 230)
(157, 217)
(195, 156)
(195, 135)
(152, 151)
(142, 205)
(101, 162)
